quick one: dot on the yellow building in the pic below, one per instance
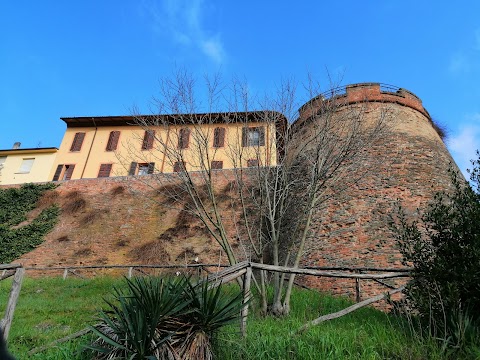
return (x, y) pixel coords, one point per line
(19, 166)
(106, 146)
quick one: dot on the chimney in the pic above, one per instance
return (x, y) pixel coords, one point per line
(16, 145)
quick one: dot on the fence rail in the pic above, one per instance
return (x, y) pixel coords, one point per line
(225, 273)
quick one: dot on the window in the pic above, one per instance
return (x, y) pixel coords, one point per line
(252, 162)
(183, 138)
(148, 138)
(217, 165)
(218, 137)
(63, 172)
(179, 166)
(253, 136)
(77, 141)
(113, 141)
(141, 168)
(26, 166)
(105, 170)
(2, 160)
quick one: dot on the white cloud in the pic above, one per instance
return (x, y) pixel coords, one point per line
(183, 22)
(214, 49)
(465, 143)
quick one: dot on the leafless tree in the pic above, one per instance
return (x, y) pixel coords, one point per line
(297, 169)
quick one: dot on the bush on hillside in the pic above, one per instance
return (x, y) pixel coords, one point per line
(16, 238)
(444, 249)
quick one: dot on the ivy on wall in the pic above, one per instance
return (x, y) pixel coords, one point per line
(15, 203)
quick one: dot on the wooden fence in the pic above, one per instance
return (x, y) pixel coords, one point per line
(224, 274)
(358, 273)
(17, 271)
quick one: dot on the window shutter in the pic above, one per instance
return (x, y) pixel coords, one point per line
(244, 136)
(217, 165)
(77, 141)
(179, 166)
(151, 167)
(113, 141)
(219, 137)
(133, 168)
(184, 138)
(69, 171)
(105, 170)
(58, 172)
(148, 139)
(261, 131)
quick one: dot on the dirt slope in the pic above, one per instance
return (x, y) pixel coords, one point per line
(115, 221)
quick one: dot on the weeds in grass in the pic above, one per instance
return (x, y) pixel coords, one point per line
(152, 252)
(73, 206)
(117, 190)
(49, 198)
(83, 252)
(93, 215)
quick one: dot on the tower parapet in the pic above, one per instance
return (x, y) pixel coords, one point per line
(356, 93)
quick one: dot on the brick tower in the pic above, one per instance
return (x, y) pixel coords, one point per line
(352, 229)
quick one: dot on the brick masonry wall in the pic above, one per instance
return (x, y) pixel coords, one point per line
(408, 168)
(123, 222)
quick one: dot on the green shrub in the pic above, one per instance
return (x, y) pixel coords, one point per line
(15, 203)
(444, 249)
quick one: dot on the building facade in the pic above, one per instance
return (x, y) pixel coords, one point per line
(139, 145)
(19, 166)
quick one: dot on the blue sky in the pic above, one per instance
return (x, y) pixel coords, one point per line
(88, 58)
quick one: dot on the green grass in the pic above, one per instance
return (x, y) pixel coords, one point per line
(364, 334)
(51, 308)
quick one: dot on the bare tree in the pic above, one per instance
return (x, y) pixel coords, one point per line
(283, 175)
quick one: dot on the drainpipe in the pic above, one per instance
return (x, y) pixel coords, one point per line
(165, 149)
(90, 149)
(267, 145)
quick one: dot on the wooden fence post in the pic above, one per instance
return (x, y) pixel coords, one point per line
(246, 299)
(130, 271)
(12, 301)
(65, 273)
(358, 296)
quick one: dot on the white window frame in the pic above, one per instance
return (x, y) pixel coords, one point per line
(26, 166)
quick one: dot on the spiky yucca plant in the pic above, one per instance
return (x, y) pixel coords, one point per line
(210, 309)
(163, 318)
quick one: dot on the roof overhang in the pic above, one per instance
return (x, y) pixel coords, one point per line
(5, 152)
(177, 119)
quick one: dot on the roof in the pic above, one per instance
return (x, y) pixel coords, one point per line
(207, 118)
(44, 150)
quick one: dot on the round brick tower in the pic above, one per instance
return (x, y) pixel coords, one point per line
(409, 165)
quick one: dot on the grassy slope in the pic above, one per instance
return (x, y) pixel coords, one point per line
(50, 308)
